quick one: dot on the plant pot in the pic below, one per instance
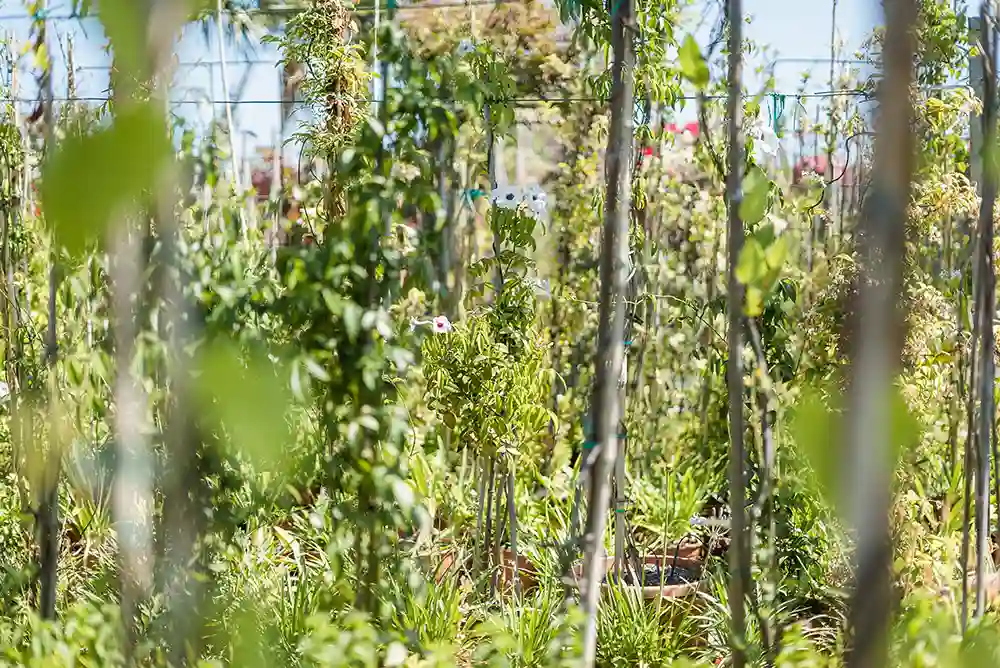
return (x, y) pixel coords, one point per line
(665, 564)
(690, 550)
(440, 560)
(527, 573)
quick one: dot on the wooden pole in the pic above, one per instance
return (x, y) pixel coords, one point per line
(876, 329)
(739, 558)
(614, 256)
(986, 309)
(48, 511)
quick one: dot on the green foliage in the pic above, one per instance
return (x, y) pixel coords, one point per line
(86, 637)
(326, 431)
(632, 631)
(693, 65)
(337, 86)
(94, 176)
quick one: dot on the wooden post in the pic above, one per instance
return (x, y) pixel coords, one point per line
(978, 82)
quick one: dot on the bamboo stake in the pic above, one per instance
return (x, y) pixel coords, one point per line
(877, 344)
(610, 353)
(48, 511)
(970, 438)
(986, 306)
(181, 520)
(223, 66)
(490, 488)
(739, 561)
(512, 523)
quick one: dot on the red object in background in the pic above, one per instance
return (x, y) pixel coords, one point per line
(673, 128)
(809, 163)
(261, 181)
(647, 151)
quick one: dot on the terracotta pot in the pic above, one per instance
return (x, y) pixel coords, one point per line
(527, 573)
(690, 550)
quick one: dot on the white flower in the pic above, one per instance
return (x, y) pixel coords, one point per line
(465, 47)
(778, 224)
(536, 199)
(766, 144)
(506, 197)
(395, 655)
(441, 324)
(541, 288)
(4, 391)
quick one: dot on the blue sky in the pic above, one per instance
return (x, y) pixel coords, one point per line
(791, 28)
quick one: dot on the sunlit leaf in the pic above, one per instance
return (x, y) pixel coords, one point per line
(124, 24)
(756, 187)
(776, 253)
(693, 65)
(815, 430)
(249, 397)
(752, 264)
(88, 177)
(754, 304)
(818, 431)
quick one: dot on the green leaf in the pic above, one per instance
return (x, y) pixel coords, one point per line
(756, 187)
(776, 253)
(124, 23)
(352, 320)
(88, 178)
(249, 399)
(693, 66)
(817, 430)
(754, 305)
(752, 264)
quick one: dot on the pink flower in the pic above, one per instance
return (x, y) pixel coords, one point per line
(441, 324)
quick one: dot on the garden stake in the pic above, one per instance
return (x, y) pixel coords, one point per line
(497, 566)
(739, 562)
(986, 305)
(490, 486)
(512, 522)
(613, 278)
(876, 325)
(49, 527)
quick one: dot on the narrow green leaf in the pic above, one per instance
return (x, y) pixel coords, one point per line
(693, 65)
(756, 187)
(752, 264)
